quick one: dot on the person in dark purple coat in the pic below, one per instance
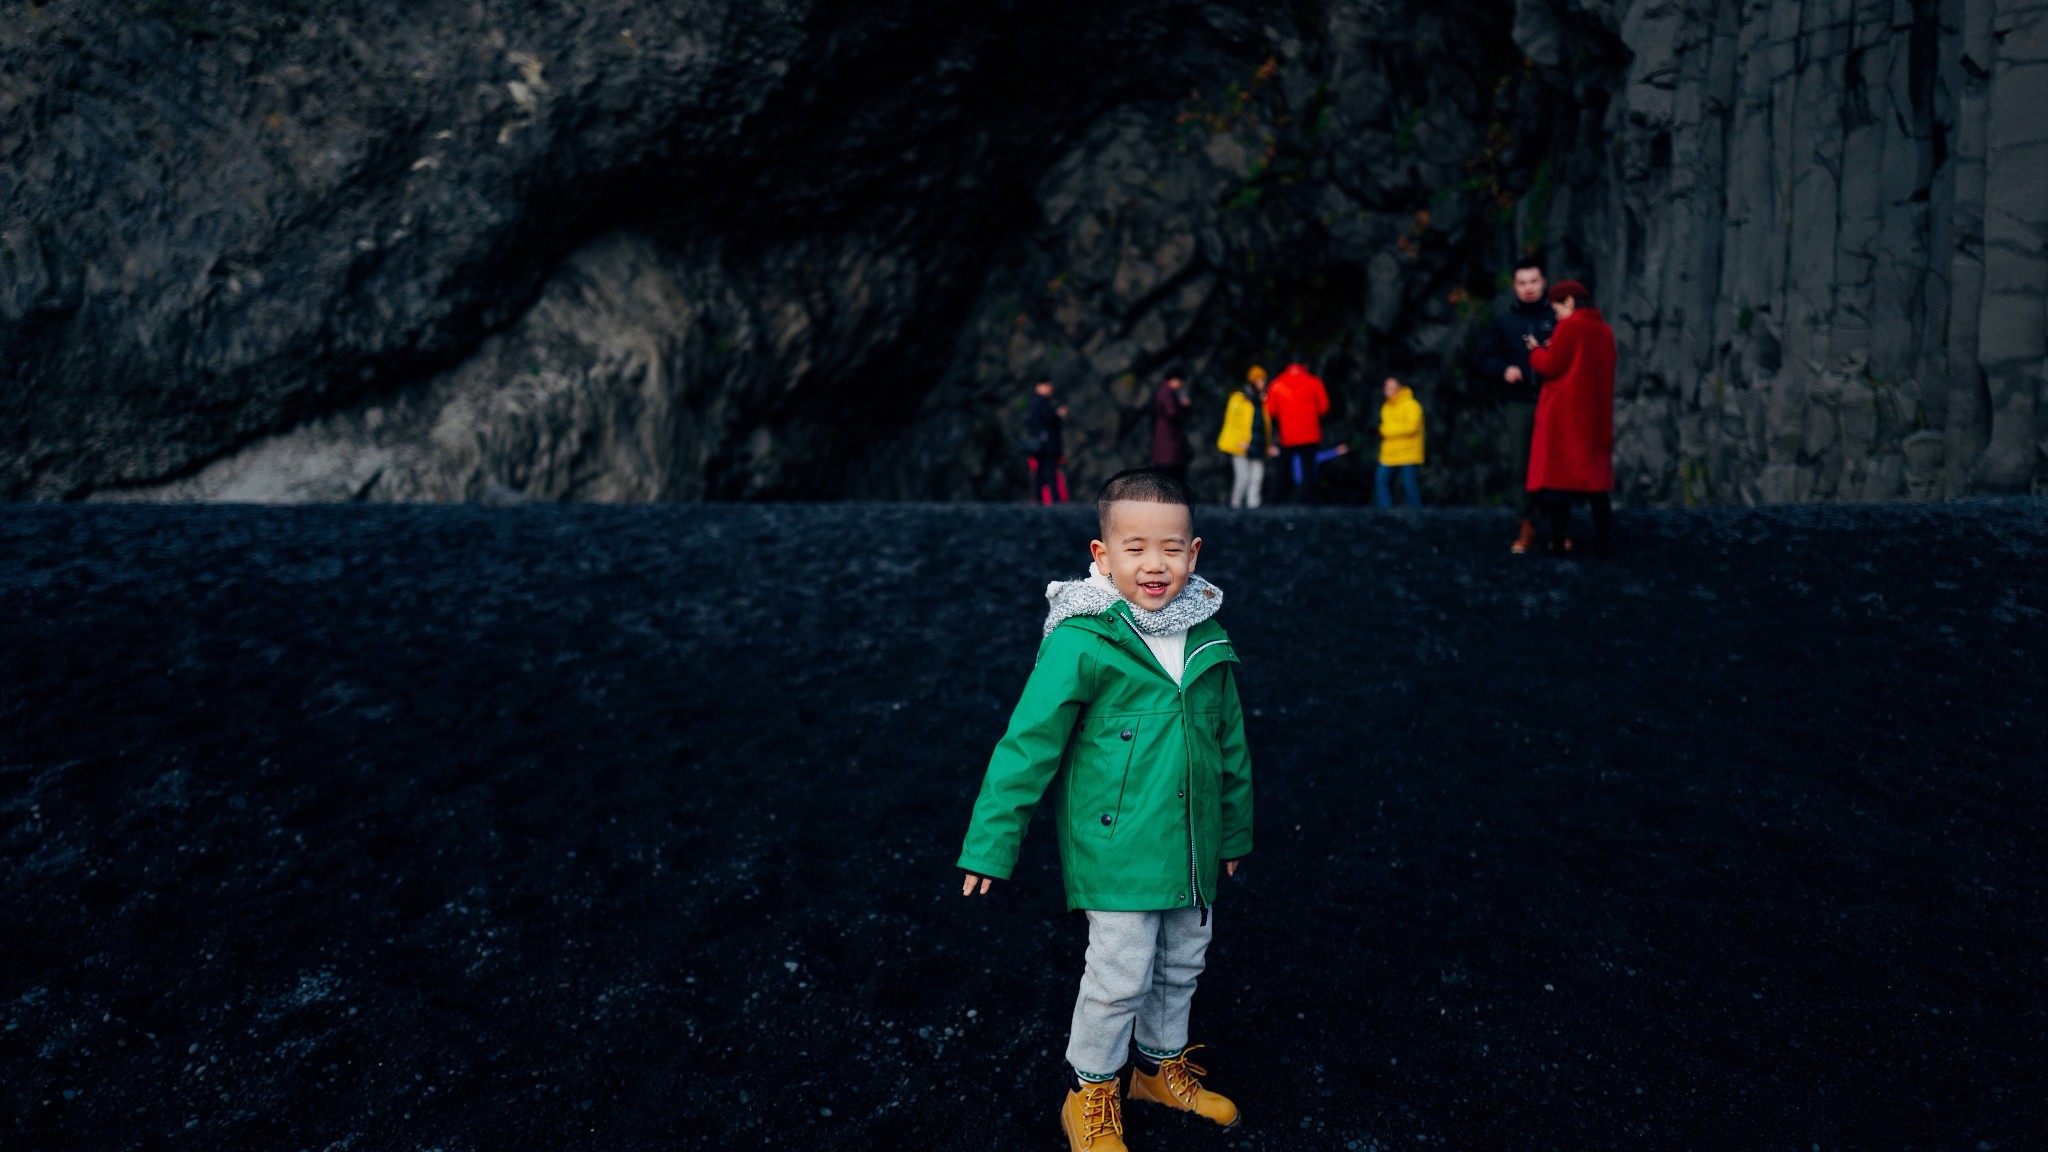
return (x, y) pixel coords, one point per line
(1170, 452)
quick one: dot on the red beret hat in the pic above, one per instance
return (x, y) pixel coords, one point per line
(1569, 290)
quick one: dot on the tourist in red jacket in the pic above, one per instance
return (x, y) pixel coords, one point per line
(1571, 457)
(1298, 403)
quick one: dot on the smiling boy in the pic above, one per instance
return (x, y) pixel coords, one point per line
(1131, 721)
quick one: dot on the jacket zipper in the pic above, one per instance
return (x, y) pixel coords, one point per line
(1187, 773)
(1194, 864)
(1187, 786)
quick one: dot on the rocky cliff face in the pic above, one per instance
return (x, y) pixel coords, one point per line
(622, 251)
(1830, 224)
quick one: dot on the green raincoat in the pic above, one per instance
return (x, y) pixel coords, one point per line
(1151, 782)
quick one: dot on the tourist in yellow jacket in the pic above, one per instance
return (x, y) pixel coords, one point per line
(1247, 439)
(1400, 445)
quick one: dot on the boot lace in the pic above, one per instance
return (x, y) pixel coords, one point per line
(1183, 1076)
(1101, 1111)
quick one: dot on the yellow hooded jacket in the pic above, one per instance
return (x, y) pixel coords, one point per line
(1238, 414)
(1401, 430)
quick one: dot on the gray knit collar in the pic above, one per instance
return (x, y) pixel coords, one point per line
(1096, 594)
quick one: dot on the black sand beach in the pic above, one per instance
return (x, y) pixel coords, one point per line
(410, 828)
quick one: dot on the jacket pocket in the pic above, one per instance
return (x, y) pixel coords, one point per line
(1100, 789)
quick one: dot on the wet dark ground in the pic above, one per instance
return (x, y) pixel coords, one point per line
(633, 828)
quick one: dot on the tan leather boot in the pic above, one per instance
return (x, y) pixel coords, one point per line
(1093, 1118)
(1525, 540)
(1179, 1085)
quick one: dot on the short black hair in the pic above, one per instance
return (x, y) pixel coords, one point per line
(1145, 485)
(1527, 262)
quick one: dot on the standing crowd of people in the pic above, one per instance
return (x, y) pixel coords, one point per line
(1549, 356)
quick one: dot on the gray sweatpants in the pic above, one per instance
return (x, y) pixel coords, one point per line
(1247, 481)
(1142, 968)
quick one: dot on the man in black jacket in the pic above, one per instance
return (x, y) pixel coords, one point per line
(1043, 442)
(1504, 361)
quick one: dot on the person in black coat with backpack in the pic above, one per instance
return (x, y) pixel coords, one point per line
(1044, 445)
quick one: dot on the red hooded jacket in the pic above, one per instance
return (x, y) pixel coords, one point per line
(1573, 449)
(1298, 403)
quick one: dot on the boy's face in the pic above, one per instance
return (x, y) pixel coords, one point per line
(1148, 550)
(1391, 388)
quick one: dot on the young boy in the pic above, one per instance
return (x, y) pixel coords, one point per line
(1131, 720)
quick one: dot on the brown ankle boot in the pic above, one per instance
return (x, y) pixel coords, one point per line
(1525, 540)
(1179, 1085)
(1093, 1118)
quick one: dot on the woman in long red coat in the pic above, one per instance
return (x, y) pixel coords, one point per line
(1571, 457)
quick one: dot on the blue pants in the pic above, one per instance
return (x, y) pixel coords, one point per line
(1383, 485)
(1301, 470)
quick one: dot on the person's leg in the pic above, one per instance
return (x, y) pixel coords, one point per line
(1603, 523)
(1161, 1028)
(1255, 490)
(1121, 950)
(1557, 508)
(1521, 421)
(1383, 487)
(1036, 491)
(1164, 1073)
(1047, 469)
(1305, 469)
(1411, 484)
(1059, 472)
(1122, 947)
(1239, 477)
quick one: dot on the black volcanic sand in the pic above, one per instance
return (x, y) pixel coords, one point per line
(406, 828)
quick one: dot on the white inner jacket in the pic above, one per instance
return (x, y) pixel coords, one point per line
(1171, 649)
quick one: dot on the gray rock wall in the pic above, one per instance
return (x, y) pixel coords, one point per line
(359, 249)
(1827, 225)
(228, 221)
(224, 219)
(636, 376)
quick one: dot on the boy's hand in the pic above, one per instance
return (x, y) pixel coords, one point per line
(967, 885)
(1230, 867)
